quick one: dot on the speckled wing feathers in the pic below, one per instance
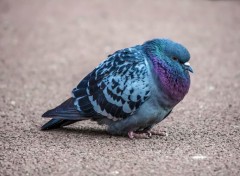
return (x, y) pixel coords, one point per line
(116, 88)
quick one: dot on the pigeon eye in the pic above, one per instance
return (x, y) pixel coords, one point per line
(174, 58)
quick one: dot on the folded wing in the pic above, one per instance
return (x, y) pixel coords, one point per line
(116, 88)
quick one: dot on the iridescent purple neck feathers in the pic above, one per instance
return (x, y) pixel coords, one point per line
(168, 61)
(174, 81)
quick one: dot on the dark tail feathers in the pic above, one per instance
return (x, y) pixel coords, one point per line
(66, 110)
(64, 114)
(56, 123)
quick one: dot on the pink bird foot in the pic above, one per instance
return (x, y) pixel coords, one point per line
(146, 134)
(142, 135)
(158, 133)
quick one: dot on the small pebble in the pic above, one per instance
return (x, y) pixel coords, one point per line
(199, 157)
(13, 103)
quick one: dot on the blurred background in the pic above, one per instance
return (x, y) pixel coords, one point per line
(48, 46)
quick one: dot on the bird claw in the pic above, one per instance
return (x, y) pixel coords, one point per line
(144, 135)
(159, 133)
(149, 133)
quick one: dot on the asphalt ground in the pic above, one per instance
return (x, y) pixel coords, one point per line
(47, 47)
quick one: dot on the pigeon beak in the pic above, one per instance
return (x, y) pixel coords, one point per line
(188, 67)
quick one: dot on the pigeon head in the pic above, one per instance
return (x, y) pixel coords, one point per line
(170, 51)
(170, 65)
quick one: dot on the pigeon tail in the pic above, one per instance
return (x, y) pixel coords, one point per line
(62, 115)
(57, 123)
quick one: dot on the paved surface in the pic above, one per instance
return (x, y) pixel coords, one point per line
(46, 47)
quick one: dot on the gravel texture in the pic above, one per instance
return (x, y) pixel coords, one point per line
(47, 47)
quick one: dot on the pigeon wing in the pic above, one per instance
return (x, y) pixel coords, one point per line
(116, 88)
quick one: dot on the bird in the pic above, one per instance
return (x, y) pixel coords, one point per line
(129, 92)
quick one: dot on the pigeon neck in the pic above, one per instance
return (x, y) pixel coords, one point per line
(174, 82)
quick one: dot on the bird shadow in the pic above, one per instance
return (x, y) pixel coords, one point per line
(84, 131)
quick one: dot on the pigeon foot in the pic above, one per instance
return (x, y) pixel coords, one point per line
(142, 135)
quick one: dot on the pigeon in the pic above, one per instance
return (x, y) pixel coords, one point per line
(131, 91)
